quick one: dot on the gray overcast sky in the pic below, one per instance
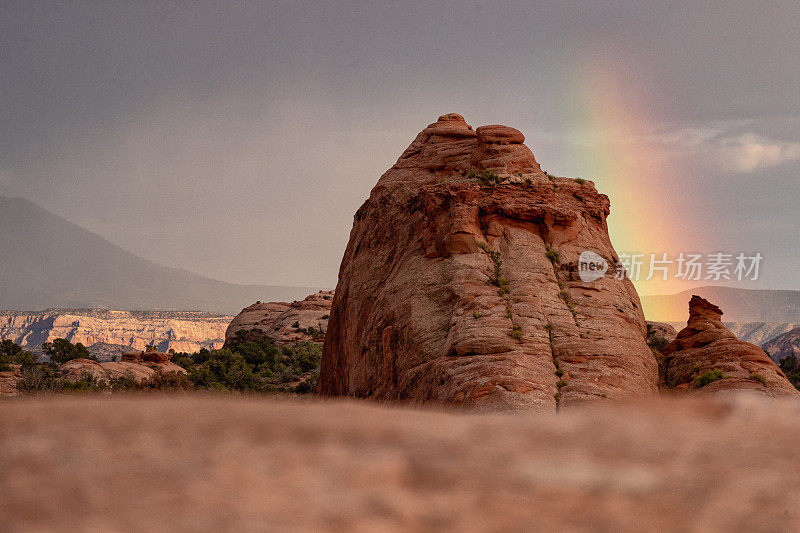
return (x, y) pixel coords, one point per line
(237, 139)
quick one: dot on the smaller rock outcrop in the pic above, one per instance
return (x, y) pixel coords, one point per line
(706, 357)
(283, 322)
(137, 365)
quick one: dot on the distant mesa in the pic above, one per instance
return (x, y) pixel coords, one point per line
(109, 334)
(706, 357)
(283, 322)
(459, 284)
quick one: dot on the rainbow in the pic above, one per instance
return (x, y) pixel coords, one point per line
(619, 150)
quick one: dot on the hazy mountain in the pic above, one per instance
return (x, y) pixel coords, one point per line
(47, 261)
(784, 345)
(739, 305)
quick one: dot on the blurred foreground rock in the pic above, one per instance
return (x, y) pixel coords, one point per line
(211, 463)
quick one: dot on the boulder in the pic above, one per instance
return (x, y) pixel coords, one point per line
(706, 357)
(284, 322)
(467, 291)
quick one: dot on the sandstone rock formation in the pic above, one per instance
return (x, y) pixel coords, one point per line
(285, 322)
(706, 357)
(661, 330)
(460, 284)
(137, 365)
(182, 331)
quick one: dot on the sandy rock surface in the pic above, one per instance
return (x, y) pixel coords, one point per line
(187, 463)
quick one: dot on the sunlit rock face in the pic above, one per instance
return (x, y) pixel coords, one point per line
(460, 284)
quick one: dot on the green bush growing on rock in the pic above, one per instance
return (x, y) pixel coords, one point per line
(709, 377)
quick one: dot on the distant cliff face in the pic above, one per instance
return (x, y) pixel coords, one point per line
(180, 331)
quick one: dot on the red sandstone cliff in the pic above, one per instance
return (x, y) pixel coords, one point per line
(459, 284)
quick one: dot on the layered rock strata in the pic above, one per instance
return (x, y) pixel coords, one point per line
(460, 284)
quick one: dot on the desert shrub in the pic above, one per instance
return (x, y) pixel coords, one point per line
(655, 341)
(308, 385)
(553, 255)
(488, 177)
(761, 379)
(182, 359)
(325, 317)
(225, 370)
(46, 377)
(709, 377)
(559, 372)
(12, 353)
(528, 183)
(61, 350)
(580, 181)
(124, 382)
(550, 176)
(516, 332)
(40, 378)
(561, 383)
(476, 314)
(167, 381)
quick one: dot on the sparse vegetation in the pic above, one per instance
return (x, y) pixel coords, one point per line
(552, 255)
(325, 317)
(550, 176)
(528, 183)
(761, 379)
(709, 377)
(486, 176)
(561, 383)
(476, 314)
(245, 365)
(559, 372)
(516, 332)
(495, 278)
(655, 341)
(580, 181)
(564, 295)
